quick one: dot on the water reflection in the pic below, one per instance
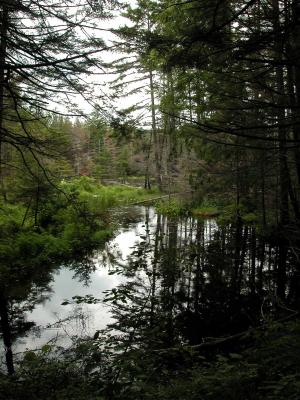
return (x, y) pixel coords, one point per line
(31, 307)
(165, 281)
(191, 279)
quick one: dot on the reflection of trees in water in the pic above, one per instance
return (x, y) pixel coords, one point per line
(83, 267)
(21, 290)
(126, 217)
(186, 280)
(192, 279)
(14, 303)
(75, 325)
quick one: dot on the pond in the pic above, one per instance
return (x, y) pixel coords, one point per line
(162, 280)
(58, 322)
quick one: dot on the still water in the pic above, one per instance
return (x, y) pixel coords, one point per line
(58, 323)
(166, 280)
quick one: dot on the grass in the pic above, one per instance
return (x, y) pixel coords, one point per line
(60, 226)
(135, 180)
(99, 198)
(171, 208)
(206, 209)
(230, 212)
(225, 213)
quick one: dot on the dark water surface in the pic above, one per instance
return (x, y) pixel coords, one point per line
(173, 281)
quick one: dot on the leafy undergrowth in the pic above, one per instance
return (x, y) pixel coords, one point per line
(267, 368)
(62, 224)
(99, 198)
(171, 208)
(226, 213)
(230, 212)
(265, 365)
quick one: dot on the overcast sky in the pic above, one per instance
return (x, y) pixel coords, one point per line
(102, 81)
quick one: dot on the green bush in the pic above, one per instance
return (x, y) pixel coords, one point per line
(268, 370)
(171, 208)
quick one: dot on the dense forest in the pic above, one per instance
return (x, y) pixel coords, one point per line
(150, 183)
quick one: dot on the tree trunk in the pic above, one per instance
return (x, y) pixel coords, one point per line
(283, 167)
(295, 116)
(155, 135)
(296, 50)
(147, 184)
(260, 269)
(263, 191)
(253, 261)
(171, 131)
(154, 270)
(281, 269)
(6, 334)
(242, 260)
(3, 78)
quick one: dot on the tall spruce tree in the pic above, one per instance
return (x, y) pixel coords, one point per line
(243, 89)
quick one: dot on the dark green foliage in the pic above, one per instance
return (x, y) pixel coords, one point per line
(269, 369)
(163, 340)
(63, 225)
(39, 377)
(171, 208)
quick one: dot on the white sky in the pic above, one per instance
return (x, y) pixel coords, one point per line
(102, 82)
